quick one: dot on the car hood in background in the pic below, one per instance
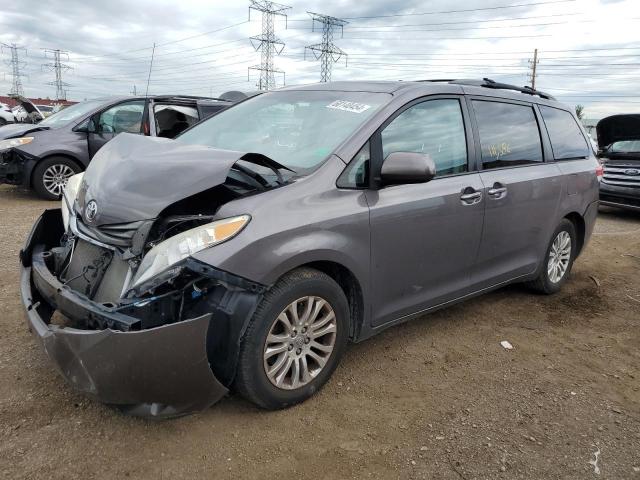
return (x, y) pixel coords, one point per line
(16, 130)
(28, 105)
(617, 128)
(134, 177)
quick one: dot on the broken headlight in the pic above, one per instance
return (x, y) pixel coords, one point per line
(15, 142)
(69, 197)
(185, 244)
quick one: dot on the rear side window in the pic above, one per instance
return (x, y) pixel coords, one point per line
(566, 138)
(509, 134)
(435, 127)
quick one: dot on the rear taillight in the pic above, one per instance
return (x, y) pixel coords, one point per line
(599, 170)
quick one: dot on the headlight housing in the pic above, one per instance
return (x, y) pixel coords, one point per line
(161, 257)
(69, 196)
(14, 142)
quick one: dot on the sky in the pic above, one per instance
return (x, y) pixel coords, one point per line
(588, 50)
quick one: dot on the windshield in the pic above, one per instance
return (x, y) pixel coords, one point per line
(625, 146)
(298, 129)
(69, 114)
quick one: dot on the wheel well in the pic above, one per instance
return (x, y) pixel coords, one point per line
(351, 288)
(68, 157)
(578, 223)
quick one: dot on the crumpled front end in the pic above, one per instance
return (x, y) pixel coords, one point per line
(12, 166)
(164, 353)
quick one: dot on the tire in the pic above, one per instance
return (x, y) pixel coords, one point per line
(50, 176)
(546, 283)
(252, 380)
(3, 122)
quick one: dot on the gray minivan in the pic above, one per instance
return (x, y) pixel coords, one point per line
(247, 253)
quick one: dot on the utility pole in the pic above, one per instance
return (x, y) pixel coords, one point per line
(327, 52)
(533, 65)
(16, 65)
(58, 67)
(134, 92)
(267, 42)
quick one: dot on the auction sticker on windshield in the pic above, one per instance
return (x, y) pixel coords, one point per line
(349, 106)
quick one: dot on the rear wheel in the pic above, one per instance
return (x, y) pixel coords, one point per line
(558, 260)
(294, 341)
(3, 122)
(51, 175)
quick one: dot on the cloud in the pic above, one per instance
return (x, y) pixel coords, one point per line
(584, 47)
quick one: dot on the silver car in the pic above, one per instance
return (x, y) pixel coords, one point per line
(248, 252)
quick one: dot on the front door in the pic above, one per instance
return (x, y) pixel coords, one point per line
(425, 237)
(123, 117)
(521, 192)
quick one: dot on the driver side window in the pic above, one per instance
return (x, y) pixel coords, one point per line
(435, 127)
(124, 117)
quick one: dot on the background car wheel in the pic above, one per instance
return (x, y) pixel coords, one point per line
(51, 175)
(294, 340)
(558, 259)
(3, 122)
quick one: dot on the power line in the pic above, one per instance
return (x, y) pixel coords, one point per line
(466, 10)
(460, 22)
(267, 42)
(327, 52)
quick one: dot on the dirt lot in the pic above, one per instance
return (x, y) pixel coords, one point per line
(434, 398)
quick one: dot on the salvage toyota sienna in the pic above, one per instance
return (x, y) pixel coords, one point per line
(247, 253)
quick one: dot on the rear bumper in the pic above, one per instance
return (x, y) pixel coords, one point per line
(160, 372)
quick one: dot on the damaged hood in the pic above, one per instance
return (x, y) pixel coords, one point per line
(15, 130)
(134, 177)
(617, 128)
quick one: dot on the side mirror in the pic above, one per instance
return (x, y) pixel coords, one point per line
(407, 167)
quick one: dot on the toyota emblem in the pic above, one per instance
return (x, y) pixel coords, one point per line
(90, 211)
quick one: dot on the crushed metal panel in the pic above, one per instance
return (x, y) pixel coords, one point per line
(160, 372)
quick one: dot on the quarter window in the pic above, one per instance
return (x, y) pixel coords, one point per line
(509, 134)
(566, 138)
(356, 175)
(435, 127)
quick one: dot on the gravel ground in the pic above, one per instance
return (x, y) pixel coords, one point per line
(434, 398)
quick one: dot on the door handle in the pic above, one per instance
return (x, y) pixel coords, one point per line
(471, 197)
(497, 191)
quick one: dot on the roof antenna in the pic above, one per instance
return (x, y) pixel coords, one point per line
(146, 92)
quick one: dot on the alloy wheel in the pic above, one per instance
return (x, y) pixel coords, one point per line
(300, 342)
(55, 178)
(559, 257)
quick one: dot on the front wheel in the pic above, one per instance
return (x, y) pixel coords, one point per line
(558, 260)
(51, 175)
(294, 340)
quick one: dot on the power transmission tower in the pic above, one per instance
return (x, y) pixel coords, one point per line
(16, 65)
(267, 42)
(327, 52)
(57, 66)
(533, 65)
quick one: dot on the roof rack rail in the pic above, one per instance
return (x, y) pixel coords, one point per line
(488, 83)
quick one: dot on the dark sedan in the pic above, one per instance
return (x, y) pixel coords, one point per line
(43, 156)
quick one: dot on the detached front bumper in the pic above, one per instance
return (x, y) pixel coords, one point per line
(161, 372)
